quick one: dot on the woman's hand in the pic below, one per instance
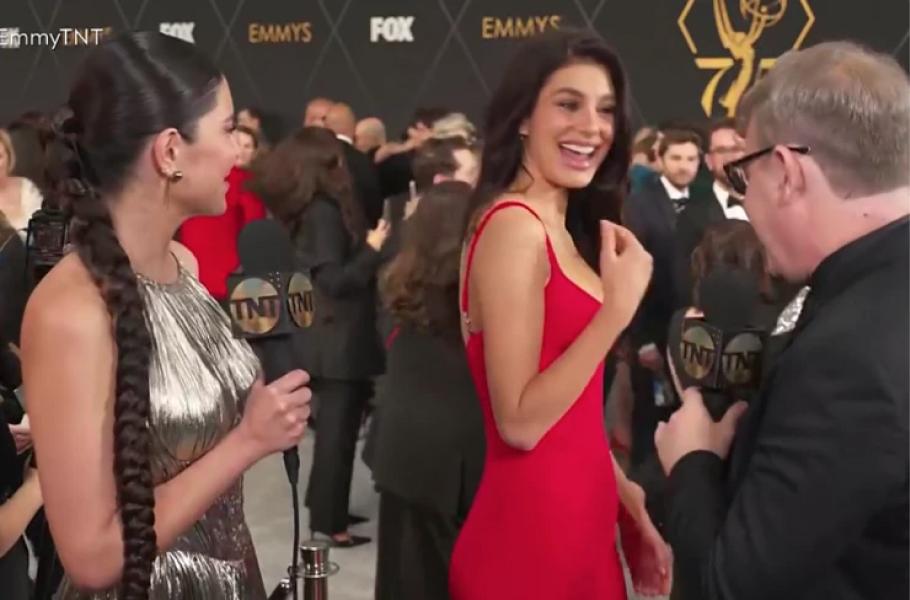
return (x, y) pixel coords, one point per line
(22, 435)
(647, 554)
(625, 270)
(276, 414)
(377, 237)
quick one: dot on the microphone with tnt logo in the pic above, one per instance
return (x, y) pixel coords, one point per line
(270, 301)
(721, 352)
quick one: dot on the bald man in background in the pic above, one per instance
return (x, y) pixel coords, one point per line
(342, 121)
(315, 113)
(369, 135)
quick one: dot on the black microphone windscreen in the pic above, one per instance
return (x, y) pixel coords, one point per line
(264, 246)
(728, 298)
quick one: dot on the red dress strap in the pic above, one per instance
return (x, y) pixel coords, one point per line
(476, 236)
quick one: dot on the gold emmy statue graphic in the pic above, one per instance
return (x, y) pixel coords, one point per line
(760, 15)
(741, 46)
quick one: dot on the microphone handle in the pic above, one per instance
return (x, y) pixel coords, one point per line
(717, 403)
(277, 356)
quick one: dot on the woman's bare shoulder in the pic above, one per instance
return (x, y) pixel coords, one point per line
(511, 244)
(514, 223)
(68, 303)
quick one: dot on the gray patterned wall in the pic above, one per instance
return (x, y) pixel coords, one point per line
(387, 57)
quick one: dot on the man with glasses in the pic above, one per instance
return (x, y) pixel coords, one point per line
(813, 502)
(725, 145)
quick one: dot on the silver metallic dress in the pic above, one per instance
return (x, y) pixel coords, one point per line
(199, 379)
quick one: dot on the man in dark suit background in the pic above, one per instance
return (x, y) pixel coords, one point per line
(316, 110)
(341, 120)
(813, 504)
(651, 214)
(393, 160)
(369, 136)
(436, 160)
(722, 203)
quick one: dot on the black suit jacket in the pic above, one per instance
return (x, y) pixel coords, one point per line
(395, 173)
(650, 215)
(15, 285)
(815, 502)
(395, 210)
(342, 342)
(366, 183)
(700, 212)
(428, 435)
(14, 578)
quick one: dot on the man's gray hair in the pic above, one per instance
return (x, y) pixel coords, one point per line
(850, 105)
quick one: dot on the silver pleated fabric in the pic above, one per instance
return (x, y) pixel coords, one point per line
(199, 378)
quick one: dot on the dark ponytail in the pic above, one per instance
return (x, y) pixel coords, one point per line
(129, 89)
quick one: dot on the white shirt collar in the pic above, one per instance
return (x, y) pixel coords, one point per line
(672, 191)
(344, 138)
(723, 198)
(722, 194)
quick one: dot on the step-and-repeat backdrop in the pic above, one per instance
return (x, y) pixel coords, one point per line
(686, 58)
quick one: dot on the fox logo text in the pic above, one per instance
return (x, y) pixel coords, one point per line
(391, 29)
(184, 31)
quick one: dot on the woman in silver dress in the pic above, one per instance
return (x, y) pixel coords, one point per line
(145, 411)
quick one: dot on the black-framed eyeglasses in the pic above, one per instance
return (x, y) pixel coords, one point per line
(736, 170)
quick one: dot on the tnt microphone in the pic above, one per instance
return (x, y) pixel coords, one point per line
(270, 302)
(720, 352)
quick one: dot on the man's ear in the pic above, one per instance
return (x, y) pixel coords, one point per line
(793, 176)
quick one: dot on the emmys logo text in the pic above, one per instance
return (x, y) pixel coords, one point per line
(297, 32)
(494, 28)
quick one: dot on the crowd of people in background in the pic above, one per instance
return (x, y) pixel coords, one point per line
(368, 188)
(380, 223)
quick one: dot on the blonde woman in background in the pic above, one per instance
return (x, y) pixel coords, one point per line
(19, 197)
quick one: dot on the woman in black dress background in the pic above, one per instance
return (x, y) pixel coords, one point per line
(20, 498)
(305, 183)
(429, 443)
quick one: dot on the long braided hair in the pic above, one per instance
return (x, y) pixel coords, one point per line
(129, 89)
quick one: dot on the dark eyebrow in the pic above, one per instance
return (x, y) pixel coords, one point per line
(572, 91)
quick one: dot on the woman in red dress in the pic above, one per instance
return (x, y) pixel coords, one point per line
(538, 322)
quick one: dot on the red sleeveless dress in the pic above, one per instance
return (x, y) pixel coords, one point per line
(543, 523)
